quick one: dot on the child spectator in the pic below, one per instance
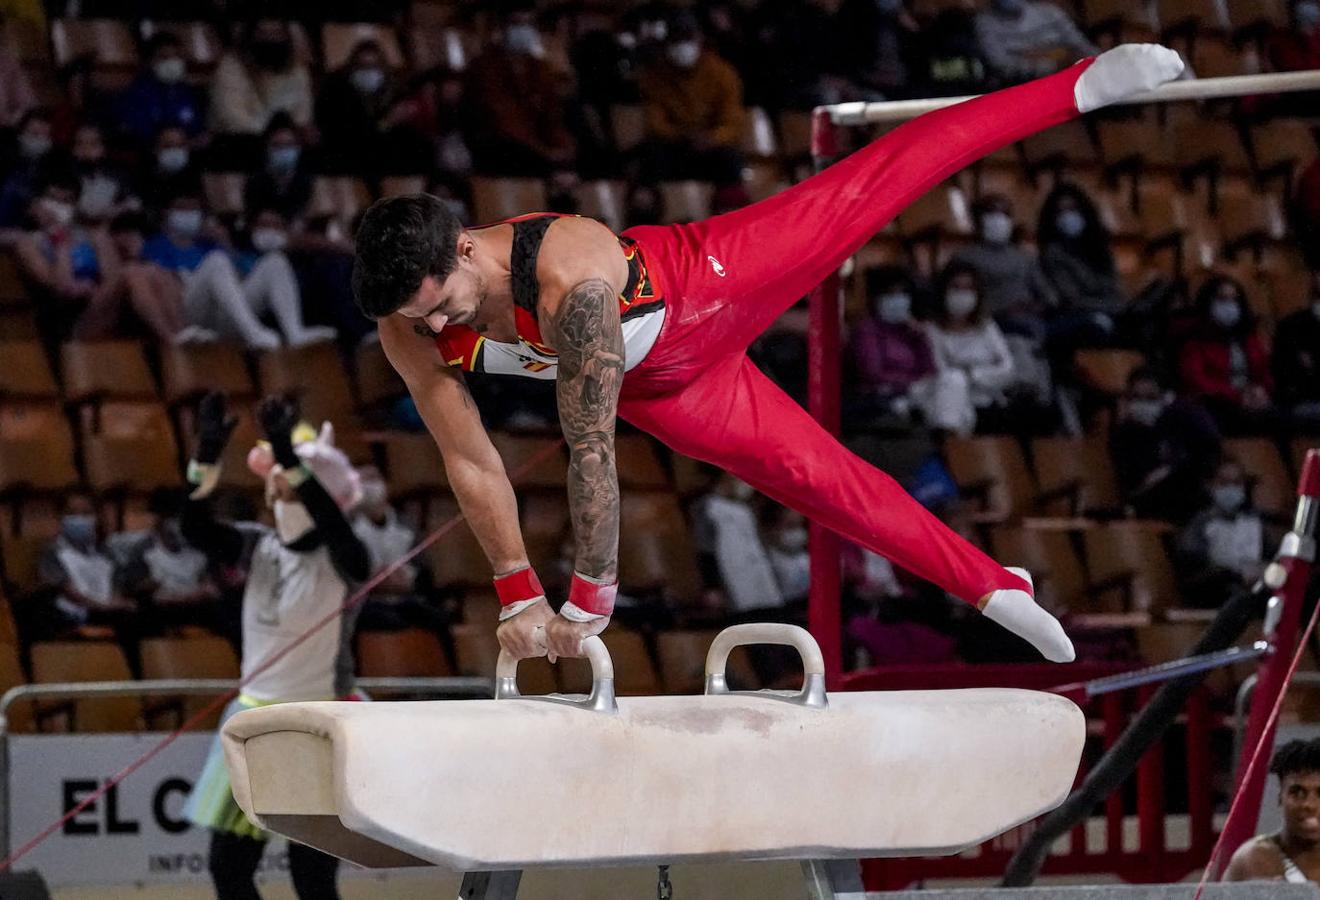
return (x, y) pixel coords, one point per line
(260, 77)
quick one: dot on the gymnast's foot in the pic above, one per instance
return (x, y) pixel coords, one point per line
(1123, 72)
(1019, 613)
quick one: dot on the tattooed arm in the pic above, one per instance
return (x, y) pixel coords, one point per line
(588, 336)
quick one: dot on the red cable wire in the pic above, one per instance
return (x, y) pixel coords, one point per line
(357, 597)
(1212, 864)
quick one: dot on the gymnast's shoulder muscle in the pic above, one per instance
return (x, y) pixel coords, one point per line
(1256, 860)
(577, 250)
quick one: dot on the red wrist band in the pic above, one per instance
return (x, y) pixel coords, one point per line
(518, 586)
(588, 596)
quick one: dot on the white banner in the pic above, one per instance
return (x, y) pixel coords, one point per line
(135, 833)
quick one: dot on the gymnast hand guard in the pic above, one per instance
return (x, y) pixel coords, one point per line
(518, 590)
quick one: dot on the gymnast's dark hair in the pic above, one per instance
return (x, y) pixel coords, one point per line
(402, 240)
(1295, 757)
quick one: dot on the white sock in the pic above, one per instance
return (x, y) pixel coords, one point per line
(1125, 71)
(1019, 613)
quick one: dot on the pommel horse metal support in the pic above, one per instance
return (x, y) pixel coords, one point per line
(729, 775)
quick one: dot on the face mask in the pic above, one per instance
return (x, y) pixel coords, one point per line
(524, 40)
(1145, 412)
(79, 529)
(268, 240)
(1308, 16)
(172, 159)
(793, 539)
(960, 302)
(368, 81)
(895, 308)
(97, 197)
(1226, 313)
(1071, 223)
(184, 222)
(58, 210)
(1229, 497)
(283, 159)
(170, 71)
(33, 146)
(684, 54)
(997, 228)
(292, 521)
(743, 491)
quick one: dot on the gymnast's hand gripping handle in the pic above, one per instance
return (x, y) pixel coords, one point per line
(813, 664)
(601, 698)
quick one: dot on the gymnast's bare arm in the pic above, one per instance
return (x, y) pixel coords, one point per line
(473, 465)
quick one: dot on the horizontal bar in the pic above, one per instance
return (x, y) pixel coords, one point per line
(1176, 669)
(861, 113)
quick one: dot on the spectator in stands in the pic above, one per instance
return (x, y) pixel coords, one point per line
(518, 104)
(1290, 855)
(1025, 39)
(950, 57)
(16, 94)
(159, 96)
(1017, 293)
(74, 270)
(1164, 449)
(397, 602)
(803, 40)
(1296, 363)
(80, 578)
(364, 129)
(151, 291)
(972, 358)
(1222, 549)
(259, 77)
(879, 39)
(734, 562)
(103, 190)
(1224, 364)
(170, 169)
(24, 160)
(1296, 48)
(890, 351)
(284, 180)
(1077, 260)
(786, 546)
(694, 116)
(170, 575)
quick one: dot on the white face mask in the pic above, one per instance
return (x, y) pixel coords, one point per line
(268, 240)
(1229, 497)
(997, 228)
(1145, 412)
(58, 210)
(97, 197)
(184, 222)
(1071, 223)
(170, 71)
(172, 159)
(33, 146)
(895, 308)
(368, 81)
(960, 302)
(1226, 313)
(524, 39)
(292, 521)
(684, 54)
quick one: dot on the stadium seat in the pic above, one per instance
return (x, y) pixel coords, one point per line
(457, 560)
(1049, 555)
(200, 43)
(655, 550)
(189, 372)
(627, 126)
(25, 373)
(1140, 140)
(682, 659)
(1199, 15)
(395, 185)
(795, 134)
(338, 39)
(991, 472)
(224, 192)
(945, 210)
(638, 465)
(77, 661)
(494, 199)
(1118, 13)
(1068, 144)
(1258, 15)
(1273, 489)
(409, 653)
(1217, 58)
(187, 657)
(435, 45)
(477, 652)
(413, 465)
(1250, 219)
(518, 451)
(480, 606)
(1107, 371)
(108, 42)
(100, 370)
(1078, 472)
(313, 373)
(603, 200)
(635, 674)
(1128, 562)
(17, 324)
(1283, 143)
(36, 448)
(13, 289)
(685, 201)
(30, 38)
(1203, 142)
(21, 557)
(339, 197)
(8, 627)
(129, 446)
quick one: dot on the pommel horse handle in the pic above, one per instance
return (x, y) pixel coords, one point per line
(601, 698)
(813, 664)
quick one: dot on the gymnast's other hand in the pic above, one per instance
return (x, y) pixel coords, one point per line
(564, 637)
(523, 635)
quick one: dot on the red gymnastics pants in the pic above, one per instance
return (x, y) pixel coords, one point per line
(727, 278)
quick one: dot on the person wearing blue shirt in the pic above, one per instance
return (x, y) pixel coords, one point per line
(159, 97)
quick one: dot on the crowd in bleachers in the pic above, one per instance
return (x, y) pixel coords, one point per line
(1097, 351)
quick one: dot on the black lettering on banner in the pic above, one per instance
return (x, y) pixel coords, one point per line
(114, 824)
(73, 790)
(167, 823)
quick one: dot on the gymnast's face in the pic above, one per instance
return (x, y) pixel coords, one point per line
(1299, 796)
(458, 299)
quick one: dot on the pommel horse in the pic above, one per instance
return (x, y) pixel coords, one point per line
(730, 775)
